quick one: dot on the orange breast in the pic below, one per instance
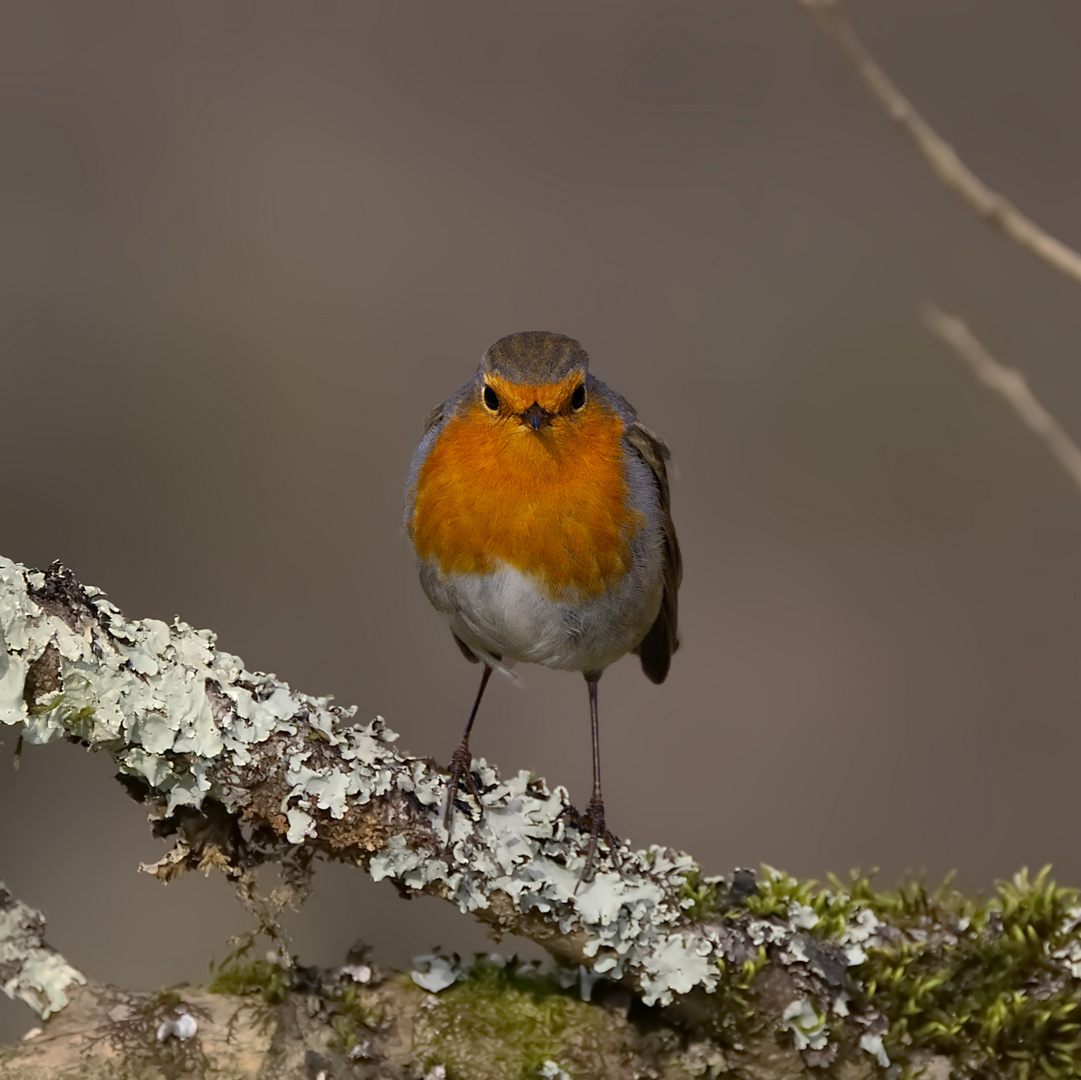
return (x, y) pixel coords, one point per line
(550, 503)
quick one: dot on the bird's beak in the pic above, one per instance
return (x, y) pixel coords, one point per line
(536, 416)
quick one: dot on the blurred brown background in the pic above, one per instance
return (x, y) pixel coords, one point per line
(246, 247)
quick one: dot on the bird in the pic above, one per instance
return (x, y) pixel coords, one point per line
(538, 507)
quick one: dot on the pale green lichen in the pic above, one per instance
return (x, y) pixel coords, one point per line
(31, 970)
(433, 972)
(807, 1025)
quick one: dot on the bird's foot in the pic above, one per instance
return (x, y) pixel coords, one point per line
(460, 768)
(593, 822)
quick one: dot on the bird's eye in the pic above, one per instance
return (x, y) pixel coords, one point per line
(491, 400)
(578, 398)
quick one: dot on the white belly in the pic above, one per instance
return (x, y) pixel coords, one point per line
(508, 614)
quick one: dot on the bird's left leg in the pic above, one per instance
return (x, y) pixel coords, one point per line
(594, 815)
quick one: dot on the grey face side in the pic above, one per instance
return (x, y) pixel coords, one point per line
(535, 357)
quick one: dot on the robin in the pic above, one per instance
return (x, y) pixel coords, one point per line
(538, 507)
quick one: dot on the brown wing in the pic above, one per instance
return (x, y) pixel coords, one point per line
(656, 648)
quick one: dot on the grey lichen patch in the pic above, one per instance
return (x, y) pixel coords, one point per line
(31, 970)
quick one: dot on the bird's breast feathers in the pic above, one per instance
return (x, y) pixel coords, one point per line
(553, 505)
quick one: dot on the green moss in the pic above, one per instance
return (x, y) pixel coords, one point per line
(732, 1000)
(837, 905)
(705, 903)
(989, 995)
(910, 902)
(243, 977)
(354, 1011)
(80, 723)
(971, 979)
(503, 1022)
(776, 892)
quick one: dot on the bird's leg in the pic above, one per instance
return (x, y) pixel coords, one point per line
(462, 760)
(594, 814)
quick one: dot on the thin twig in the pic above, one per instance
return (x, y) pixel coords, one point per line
(995, 209)
(1011, 385)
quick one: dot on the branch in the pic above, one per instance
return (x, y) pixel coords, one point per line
(263, 1019)
(995, 209)
(1009, 384)
(30, 969)
(269, 1018)
(242, 770)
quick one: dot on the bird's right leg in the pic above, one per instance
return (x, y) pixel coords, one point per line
(461, 762)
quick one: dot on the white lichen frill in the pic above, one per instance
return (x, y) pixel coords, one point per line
(433, 972)
(182, 1027)
(31, 970)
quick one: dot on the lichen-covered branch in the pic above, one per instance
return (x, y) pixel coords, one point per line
(993, 208)
(260, 1021)
(30, 969)
(240, 769)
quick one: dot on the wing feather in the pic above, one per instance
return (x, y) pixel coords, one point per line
(662, 639)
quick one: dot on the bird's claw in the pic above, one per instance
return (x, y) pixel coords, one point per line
(593, 822)
(460, 769)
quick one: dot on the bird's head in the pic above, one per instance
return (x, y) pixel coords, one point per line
(534, 379)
